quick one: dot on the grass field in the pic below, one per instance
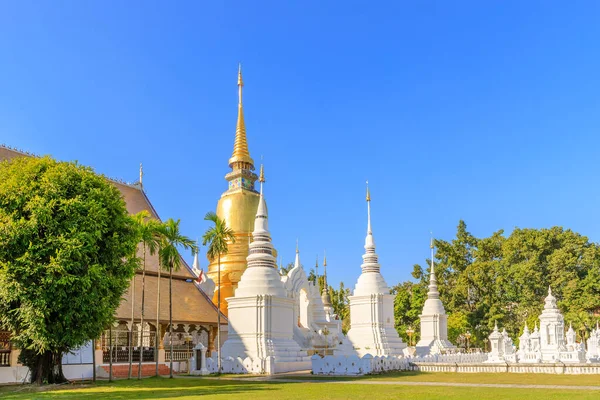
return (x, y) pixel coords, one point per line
(191, 388)
(503, 378)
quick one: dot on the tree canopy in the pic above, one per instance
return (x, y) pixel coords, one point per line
(66, 258)
(505, 279)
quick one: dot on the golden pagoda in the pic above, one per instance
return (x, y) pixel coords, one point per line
(237, 206)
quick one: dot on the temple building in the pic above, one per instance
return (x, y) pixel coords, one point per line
(194, 314)
(434, 321)
(372, 306)
(237, 206)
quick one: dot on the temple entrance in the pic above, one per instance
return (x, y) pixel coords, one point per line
(304, 303)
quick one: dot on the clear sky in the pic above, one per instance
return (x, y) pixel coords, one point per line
(486, 111)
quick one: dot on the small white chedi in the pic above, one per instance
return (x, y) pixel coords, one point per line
(372, 306)
(434, 321)
(593, 345)
(549, 344)
(502, 347)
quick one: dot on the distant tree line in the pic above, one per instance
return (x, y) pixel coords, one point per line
(505, 279)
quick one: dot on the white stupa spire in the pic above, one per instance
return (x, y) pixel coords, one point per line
(196, 264)
(433, 289)
(261, 275)
(325, 297)
(261, 249)
(370, 258)
(297, 260)
(261, 225)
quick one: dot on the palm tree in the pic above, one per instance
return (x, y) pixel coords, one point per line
(170, 258)
(149, 237)
(130, 333)
(217, 238)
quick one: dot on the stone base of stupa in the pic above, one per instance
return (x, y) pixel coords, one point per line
(372, 326)
(261, 329)
(434, 346)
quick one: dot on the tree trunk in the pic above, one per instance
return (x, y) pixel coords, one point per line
(171, 317)
(131, 329)
(94, 361)
(46, 368)
(142, 316)
(219, 314)
(158, 333)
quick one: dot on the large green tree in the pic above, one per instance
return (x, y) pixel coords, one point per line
(505, 279)
(66, 258)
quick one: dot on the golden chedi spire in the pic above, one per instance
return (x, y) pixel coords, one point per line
(237, 206)
(241, 156)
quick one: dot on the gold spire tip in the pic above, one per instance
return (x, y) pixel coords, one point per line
(368, 193)
(324, 259)
(297, 246)
(241, 155)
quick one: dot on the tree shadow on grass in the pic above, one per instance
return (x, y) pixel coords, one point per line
(151, 389)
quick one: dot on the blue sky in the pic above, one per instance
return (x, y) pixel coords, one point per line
(482, 111)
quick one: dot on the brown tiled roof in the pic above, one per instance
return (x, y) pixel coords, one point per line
(192, 304)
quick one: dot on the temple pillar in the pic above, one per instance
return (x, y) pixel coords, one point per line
(98, 352)
(212, 338)
(14, 357)
(160, 337)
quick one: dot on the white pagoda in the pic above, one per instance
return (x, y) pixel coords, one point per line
(261, 315)
(434, 321)
(372, 306)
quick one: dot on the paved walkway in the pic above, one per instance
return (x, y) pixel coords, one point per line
(281, 378)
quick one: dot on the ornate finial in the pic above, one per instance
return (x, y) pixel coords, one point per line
(297, 246)
(495, 325)
(432, 280)
(324, 274)
(240, 80)
(141, 173)
(241, 156)
(324, 258)
(549, 290)
(317, 269)
(368, 210)
(261, 177)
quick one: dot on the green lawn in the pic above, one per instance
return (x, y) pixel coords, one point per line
(191, 388)
(519, 379)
